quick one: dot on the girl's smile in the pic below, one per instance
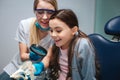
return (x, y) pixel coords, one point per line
(61, 33)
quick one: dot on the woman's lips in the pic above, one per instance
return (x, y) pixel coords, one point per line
(45, 25)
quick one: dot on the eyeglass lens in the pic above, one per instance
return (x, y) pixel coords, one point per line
(44, 11)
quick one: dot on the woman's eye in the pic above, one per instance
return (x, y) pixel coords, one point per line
(40, 12)
(50, 12)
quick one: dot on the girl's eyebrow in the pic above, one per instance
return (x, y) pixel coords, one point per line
(57, 27)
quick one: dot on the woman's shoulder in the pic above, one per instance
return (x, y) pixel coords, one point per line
(28, 20)
(26, 23)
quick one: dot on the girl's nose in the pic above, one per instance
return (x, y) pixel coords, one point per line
(53, 34)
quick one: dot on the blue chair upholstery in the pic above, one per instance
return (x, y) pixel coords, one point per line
(108, 52)
(112, 27)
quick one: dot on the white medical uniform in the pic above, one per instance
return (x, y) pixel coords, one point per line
(22, 35)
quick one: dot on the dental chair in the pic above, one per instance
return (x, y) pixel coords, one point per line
(112, 27)
(108, 51)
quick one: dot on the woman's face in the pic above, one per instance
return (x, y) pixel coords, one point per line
(43, 12)
(61, 33)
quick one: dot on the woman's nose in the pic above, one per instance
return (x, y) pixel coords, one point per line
(45, 16)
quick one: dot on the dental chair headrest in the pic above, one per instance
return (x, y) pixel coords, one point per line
(112, 27)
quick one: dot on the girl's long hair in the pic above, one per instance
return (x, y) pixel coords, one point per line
(67, 16)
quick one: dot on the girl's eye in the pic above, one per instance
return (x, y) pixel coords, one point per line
(51, 30)
(58, 31)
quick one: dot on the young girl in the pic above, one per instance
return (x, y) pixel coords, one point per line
(73, 55)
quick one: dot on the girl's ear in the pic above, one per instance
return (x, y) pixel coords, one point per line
(74, 30)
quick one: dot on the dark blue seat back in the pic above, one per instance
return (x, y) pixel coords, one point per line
(112, 27)
(108, 53)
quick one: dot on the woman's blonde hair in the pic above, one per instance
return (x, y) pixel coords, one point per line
(35, 32)
(52, 2)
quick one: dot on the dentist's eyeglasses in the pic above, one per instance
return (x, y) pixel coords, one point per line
(41, 12)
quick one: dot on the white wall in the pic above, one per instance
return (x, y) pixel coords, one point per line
(12, 11)
(85, 10)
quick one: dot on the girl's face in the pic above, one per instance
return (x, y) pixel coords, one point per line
(61, 33)
(43, 12)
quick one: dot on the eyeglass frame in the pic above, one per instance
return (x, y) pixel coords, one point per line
(49, 12)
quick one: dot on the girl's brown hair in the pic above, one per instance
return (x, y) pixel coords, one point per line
(68, 17)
